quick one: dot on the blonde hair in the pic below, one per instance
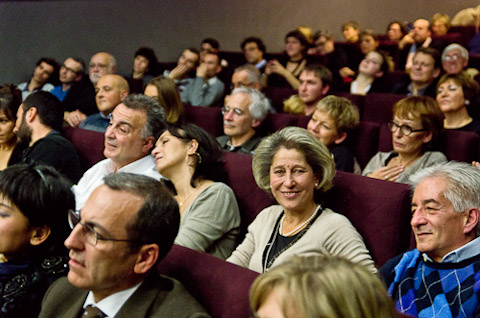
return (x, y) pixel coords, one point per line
(321, 287)
(341, 110)
(169, 98)
(316, 155)
(294, 105)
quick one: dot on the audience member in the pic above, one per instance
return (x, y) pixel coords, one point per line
(371, 72)
(44, 73)
(419, 37)
(439, 277)
(440, 24)
(396, 31)
(134, 127)
(191, 160)
(417, 121)
(164, 90)
(185, 70)
(454, 93)
(101, 64)
(315, 82)
(39, 122)
(368, 41)
(425, 69)
(71, 71)
(10, 148)
(126, 227)
(111, 90)
(206, 89)
(211, 45)
(296, 169)
(33, 225)
(351, 31)
(320, 286)
(247, 76)
(145, 67)
(254, 49)
(285, 73)
(333, 119)
(244, 112)
(455, 60)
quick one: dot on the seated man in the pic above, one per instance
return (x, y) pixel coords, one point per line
(254, 49)
(211, 45)
(111, 91)
(134, 127)
(44, 72)
(315, 81)
(423, 74)
(127, 226)
(186, 65)
(441, 276)
(244, 111)
(71, 71)
(39, 122)
(247, 76)
(75, 110)
(455, 60)
(206, 89)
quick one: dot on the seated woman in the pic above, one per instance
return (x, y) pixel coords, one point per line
(371, 72)
(296, 169)
(331, 122)
(319, 286)
(417, 121)
(34, 204)
(285, 73)
(191, 159)
(454, 93)
(145, 67)
(165, 91)
(396, 31)
(368, 41)
(440, 24)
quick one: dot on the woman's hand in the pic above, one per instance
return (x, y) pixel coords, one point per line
(476, 164)
(274, 66)
(388, 173)
(346, 72)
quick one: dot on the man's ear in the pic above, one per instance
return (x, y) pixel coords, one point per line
(31, 114)
(340, 138)
(325, 89)
(123, 94)
(436, 72)
(218, 69)
(471, 221)
(39, 235)
(148, 144)
(255, 123)
(146, 258)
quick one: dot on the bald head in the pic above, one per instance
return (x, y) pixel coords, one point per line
(421, 28)
(100, 64)
(111, 90)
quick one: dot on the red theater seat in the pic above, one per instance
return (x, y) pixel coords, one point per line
(378, 107)
(89, 145)
(209, 118)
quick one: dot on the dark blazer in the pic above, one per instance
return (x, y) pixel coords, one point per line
(158, 296)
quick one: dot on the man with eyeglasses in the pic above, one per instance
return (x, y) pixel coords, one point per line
(125, 229)
(254, 49)
(75, 91)
(423, 74)
(440, 277)
(243, 113)
(455, 60)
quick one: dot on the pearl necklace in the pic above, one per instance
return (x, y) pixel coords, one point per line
(301, 225)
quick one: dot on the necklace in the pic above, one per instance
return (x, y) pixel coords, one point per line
(188, 196)
(300, 226)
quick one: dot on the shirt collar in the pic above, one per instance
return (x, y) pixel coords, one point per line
(465, 252)
(111, 305)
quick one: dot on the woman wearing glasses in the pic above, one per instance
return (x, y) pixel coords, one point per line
(417, 120)
(33, 226)
(191, 160)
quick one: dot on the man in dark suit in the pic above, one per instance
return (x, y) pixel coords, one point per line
(127, 225)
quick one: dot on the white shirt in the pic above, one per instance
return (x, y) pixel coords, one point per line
(93, 177)
(111, 305)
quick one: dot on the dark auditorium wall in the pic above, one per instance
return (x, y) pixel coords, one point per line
(31, 29)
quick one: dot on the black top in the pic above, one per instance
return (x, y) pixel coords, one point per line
(56, 151)
(81, 96)
(404, 88)
(474, 126)
(248, 147)
(343, 157)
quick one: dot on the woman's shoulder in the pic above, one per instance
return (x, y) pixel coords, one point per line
(436, 156)
(216, 187)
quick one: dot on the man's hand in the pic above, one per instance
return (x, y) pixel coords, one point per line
(74, 118)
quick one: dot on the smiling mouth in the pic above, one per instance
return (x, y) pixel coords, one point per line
(290, 195)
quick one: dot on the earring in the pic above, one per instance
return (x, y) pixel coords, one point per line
(316, 184)
(467, 102)
(199, 157)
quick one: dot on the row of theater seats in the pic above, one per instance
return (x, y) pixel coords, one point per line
(380, 211)
(371, 136)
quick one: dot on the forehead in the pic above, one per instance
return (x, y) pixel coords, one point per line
(108, 80)
(251, 44)
(240, 76)
(292, 39)
(421, 24)
(430, 188)
(100, 58)
(309, 75)
(375, 56)
(454, 52)
(394, 26)
(72, 63)
(190, 55)
(210, 58)
(136, 118)
(323, 115)
(450, 82)
(239, 100)
(46, 66)
(367, 37)
(423, 57)
(293, 156)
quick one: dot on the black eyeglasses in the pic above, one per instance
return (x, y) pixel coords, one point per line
(405, 129)
(91, 236)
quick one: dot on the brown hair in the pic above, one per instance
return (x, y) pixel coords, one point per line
(169, 98)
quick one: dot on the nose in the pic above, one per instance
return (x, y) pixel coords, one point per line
(74, 240)
(109, 132)
(289, 180)
(156, 150)
(418, 218)
(315, 127)
(229, 115)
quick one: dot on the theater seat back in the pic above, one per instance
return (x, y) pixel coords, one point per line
(89, 144)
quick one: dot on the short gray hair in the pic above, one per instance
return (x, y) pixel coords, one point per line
(254, 75)
(455, 46)
(316, 155)
(463, 183)
(259, 104)
(155, 114)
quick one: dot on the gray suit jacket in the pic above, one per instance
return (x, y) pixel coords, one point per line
(158, 296)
